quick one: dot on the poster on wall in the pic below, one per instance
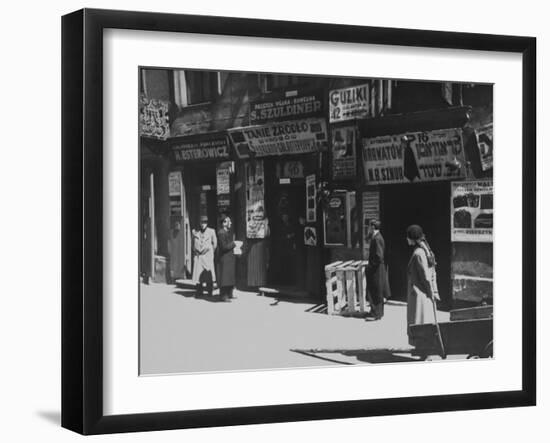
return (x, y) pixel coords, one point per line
(484, 137)
(223, 187)
(311, 199)
(371, 211)
(472, 211)
(335, 223)
(175, 193)
(344, 158)
(154, 119)
(310, 236)
(349, 103)
(256, 219)
(280, 138)
(414, 157)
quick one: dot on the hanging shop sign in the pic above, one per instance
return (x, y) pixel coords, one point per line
(311, 199)
(310, 236)
(256, 219)
(349, 103)
(287, 106)
(371, 211)
(335, 223)
(280, 138)
(484, 137)
(414, 157)
(154, 118)
(207, 146)
(472, 211)
(344, 158)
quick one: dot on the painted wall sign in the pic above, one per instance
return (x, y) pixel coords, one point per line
(484, 137)
(201, 147)
(414, 157)
(256, 219)
(279, 106)
(472, 211)
(344, 158)
(349, 103)
(154, 119)
(280, 138)
(311, 199)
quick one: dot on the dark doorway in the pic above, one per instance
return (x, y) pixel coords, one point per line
(428, 206)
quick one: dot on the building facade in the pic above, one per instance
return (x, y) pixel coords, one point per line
(303, 163)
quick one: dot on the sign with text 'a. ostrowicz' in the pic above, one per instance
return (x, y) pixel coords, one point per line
(201, 147)
(280, 138)
(414, 157)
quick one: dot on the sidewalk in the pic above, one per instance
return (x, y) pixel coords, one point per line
(180, 333)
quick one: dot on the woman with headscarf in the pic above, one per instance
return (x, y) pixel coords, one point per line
(422, 290)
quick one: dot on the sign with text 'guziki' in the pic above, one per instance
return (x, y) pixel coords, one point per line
(414, 157)
(349, 103)
(207, 146)
(280, 138)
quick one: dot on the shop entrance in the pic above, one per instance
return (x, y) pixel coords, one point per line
(425, 204)
(286, 206)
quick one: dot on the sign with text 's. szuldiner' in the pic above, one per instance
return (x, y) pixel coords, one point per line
(287, 106)
(279, 138)
(200, 147)
(414, 157)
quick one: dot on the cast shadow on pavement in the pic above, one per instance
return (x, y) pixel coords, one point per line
(187, 293)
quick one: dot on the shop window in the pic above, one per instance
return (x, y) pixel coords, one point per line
(196, 87)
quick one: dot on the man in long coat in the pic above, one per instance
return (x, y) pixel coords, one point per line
(204, 245)
(377, 278)
(226, 262)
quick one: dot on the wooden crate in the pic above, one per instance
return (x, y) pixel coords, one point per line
(346, 286)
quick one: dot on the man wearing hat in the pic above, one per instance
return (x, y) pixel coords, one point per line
(377, 277)
(204, 245)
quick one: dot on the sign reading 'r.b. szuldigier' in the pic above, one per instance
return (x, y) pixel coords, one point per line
(201, 147)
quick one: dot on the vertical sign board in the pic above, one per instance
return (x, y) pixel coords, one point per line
(484, 137)
(335, 223)
(371, 211)
(175, 193)
(472, 211)
(223, 187)
(311, 199)
(344, 158)
(256, 219)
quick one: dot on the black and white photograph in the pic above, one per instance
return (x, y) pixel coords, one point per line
(295, 221)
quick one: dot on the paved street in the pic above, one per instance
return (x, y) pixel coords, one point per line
(180, 333)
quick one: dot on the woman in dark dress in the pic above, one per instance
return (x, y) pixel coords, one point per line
(226, 259)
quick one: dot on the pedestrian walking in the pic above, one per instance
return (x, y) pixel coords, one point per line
(204, 246)
(226, 259)
(377, 278)
(422, 292)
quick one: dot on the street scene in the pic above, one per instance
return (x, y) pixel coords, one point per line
(294, 221)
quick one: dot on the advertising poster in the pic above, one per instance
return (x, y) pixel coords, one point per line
(484, 137)
(311, 199)
(472, 211)
(256, 219)
(371, 211)
(286, 106)
(223, 187)
(344, 158)
(349, 103)
(335, 223)
(280, 138)
(414, 157)
(175, 192)
(310, 236)
(154, 121)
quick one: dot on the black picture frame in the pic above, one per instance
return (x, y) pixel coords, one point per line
(82, 216)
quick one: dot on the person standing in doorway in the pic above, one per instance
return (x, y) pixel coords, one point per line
(204, 245)
(377, 279)
(422, 292)
(227, 261)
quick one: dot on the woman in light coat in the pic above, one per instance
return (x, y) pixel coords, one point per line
(422, 290)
